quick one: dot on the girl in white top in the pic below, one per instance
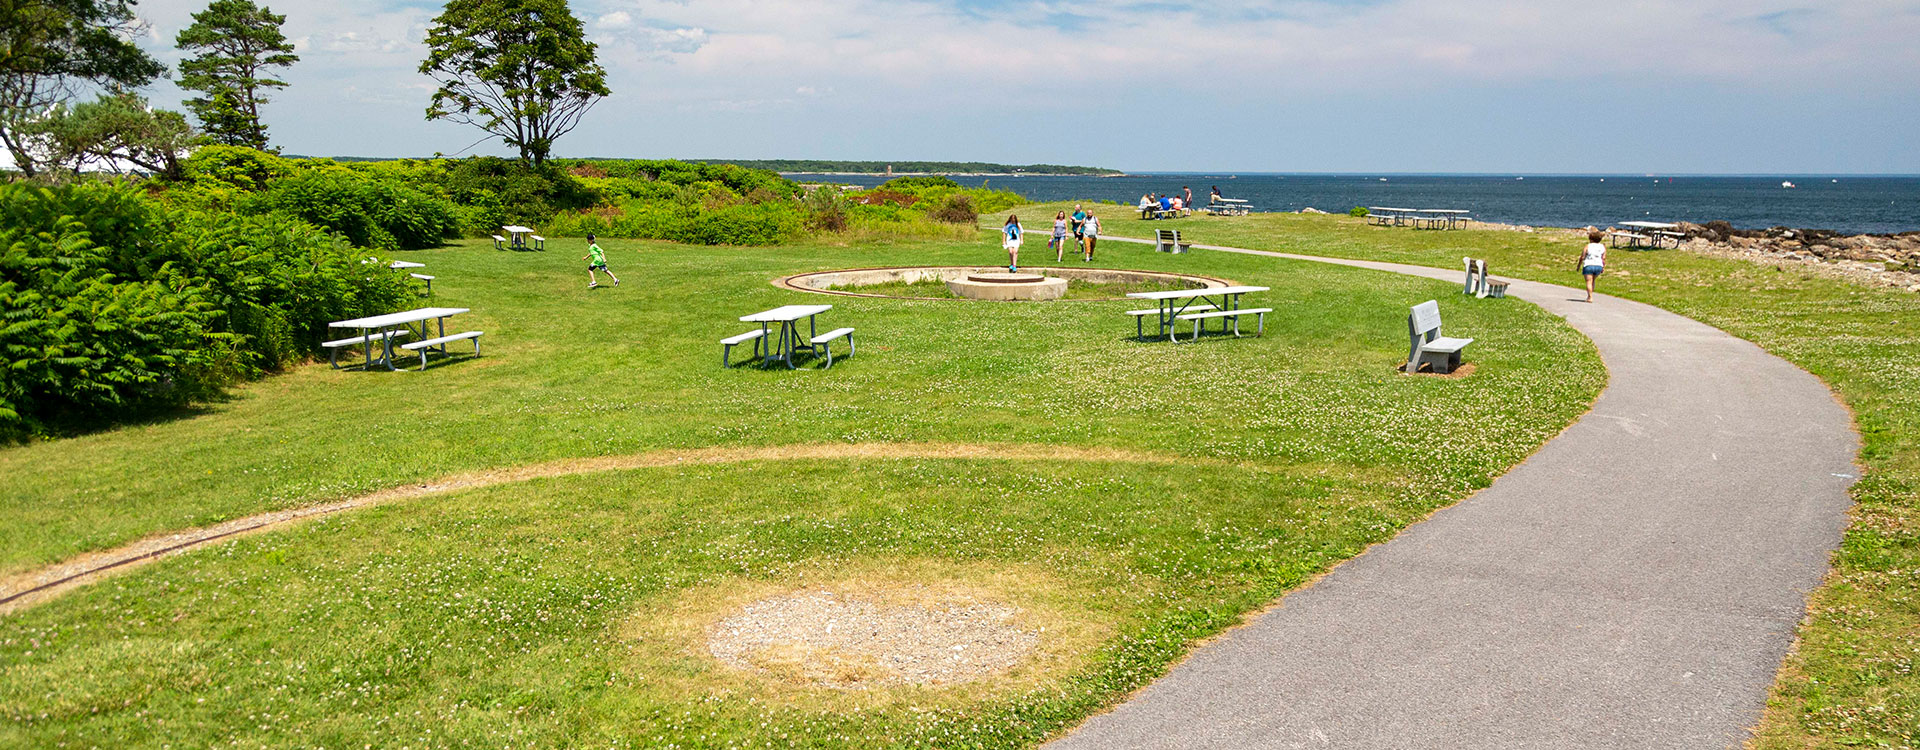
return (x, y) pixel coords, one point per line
(1593, 260)
(1010, 233)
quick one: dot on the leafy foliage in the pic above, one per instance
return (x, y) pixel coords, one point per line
(112, 131)
(369, 212)
(112, 307)
(934, 167)
(236, 42)
(521, 70)
(50, 49)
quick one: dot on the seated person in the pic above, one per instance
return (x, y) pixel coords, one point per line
(1146, 206)
(1166, 204)
(1178, 205)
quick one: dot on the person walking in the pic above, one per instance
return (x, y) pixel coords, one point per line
(1079, 224)
(1593, 259)
(596, 258)
(1010, 239)
(1091, 228)
(1059, 241)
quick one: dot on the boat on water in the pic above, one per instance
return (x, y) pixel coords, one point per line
(1788, 185)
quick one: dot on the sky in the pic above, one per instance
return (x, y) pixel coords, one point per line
(1521, 86)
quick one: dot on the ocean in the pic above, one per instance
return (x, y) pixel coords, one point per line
(1855, 205)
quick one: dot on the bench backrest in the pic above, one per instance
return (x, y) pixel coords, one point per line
(1168, 235)
(1424, 322)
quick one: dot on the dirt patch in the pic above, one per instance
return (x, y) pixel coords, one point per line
(1462, 371)
(27, 588)
(833, 640)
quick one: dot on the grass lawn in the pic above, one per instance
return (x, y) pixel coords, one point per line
(568, 611)
(1854, 680)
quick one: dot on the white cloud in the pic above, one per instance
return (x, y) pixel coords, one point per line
(616, 20)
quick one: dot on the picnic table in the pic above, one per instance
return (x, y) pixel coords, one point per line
(1387, 215)
(518, 233)
(385, 328)
(1448, 216)
(788, 343)
(1230, 206)
(1653, 232)
(1174, 302)
(400, 264)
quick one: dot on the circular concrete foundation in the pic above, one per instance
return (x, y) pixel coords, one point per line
(985, 281)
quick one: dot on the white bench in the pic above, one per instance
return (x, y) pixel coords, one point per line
(539, 242)
(822, 340)
(1202, 317)
(1426, 345)
(499, 242)
(425, 278)
(422, 346)
(727, 344)
(333, 357)
(1139, 329)
(1168, 241)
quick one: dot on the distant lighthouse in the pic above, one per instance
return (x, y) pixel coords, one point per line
(889, 170)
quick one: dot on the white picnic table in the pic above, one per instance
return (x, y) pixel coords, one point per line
(1654, 230)
(386, 324)
(518, 233)
(1390, 215)
(1173, 302)
(399, 264)
(1449, 215)
(788, 316)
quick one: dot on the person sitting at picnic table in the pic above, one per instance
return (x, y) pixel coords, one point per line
(1146, 205)
(1011, 241)
(596, 258)
(1178, 205)
(1214, 195)
(1166, 204)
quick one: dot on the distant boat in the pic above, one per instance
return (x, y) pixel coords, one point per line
(1519, 178)
(1788, 185)
(1383, 179)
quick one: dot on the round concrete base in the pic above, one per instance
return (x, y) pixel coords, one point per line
(1008, 286)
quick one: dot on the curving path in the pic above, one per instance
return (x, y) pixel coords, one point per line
(1634, 584)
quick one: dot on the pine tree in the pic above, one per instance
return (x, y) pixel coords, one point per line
(236, 42)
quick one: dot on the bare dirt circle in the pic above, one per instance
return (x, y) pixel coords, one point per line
(823, 638)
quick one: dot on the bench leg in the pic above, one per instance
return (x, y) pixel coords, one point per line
(1262, 325)
(725, 350)
(850, 347)
(829, 348)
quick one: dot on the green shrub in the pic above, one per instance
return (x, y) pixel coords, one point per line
(235, 167)
(1359, 212)
(956, 209)
(112, 306)
(370, 213)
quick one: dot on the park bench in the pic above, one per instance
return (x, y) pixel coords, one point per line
(1201, 317)
(1139, 328)
(334, 347)
(1426, 345)
(425, 278)
(422, 347)
(727, 344)
(1479, 284)
(821, 341)
(499, 242)
(1168, 241)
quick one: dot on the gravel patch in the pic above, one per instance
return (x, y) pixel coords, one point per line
(822, 638)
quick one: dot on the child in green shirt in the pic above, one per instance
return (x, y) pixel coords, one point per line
(596, 258)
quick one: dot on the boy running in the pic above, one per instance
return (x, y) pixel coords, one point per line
(596, 258)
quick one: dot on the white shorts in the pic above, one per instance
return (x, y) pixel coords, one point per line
(1010, 245)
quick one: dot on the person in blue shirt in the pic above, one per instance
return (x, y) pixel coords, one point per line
(1166, 204)
(1010, 233)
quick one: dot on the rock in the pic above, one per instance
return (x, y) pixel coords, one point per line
(1312, 210)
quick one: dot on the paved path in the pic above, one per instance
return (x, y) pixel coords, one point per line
(1635, 584)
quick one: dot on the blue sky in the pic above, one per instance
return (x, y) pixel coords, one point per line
(1661, 86)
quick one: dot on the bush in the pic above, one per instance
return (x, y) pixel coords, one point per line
(826, 209)
(370, 213)
(956, 209)
(235, 168)
(1359, 212)
(114, 306)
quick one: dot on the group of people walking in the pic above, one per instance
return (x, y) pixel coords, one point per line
(1082, 225)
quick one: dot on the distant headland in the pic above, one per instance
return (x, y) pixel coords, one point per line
(902, 168)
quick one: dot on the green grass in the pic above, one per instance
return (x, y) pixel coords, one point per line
(518, 614)
(1854, 680)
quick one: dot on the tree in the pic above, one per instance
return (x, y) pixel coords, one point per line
(113, 132)
(49, 49)
(519, 69)
(236, 42)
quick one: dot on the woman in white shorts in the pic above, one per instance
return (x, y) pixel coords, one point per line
(1011, 241)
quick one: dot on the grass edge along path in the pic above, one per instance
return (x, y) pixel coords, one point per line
(27, 588)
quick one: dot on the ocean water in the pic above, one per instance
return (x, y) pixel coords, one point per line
(1847, 204)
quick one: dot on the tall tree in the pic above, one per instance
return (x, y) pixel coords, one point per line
(519, 69)
(50, 49)
(236, 42)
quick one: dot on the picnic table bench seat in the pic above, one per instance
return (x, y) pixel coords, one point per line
(539, 242)
(1426, 346)
(1139, 327)
(1234, 315)
(1168, 241)
(425, 278)
(499, 242)
(727, 344)
(824, 339)
(421, 347)
(333, 356)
